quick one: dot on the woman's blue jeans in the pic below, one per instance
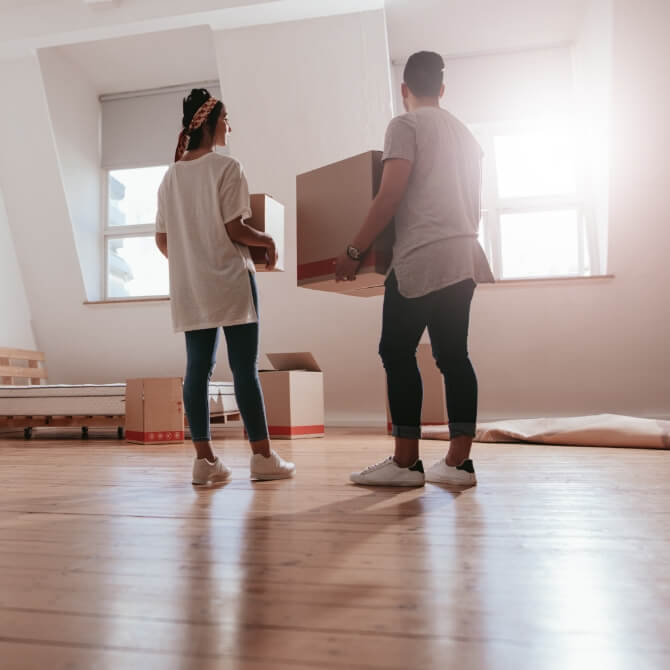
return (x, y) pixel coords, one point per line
(242, 343)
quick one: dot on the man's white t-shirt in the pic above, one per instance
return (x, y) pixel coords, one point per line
(209, 273)
(437, 220)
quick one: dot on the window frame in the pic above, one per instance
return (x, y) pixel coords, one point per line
(122, 232)
(494, 207)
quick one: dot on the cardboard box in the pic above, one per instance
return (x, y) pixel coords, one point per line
(434, 406)
(267, 216)
(154, 411)
(332, 203)
(293, 394)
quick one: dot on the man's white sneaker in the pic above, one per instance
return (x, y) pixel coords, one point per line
(271, 467)
(459, 475)
(205, 471)
(389, 473)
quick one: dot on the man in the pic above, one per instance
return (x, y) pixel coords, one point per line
(431, 186)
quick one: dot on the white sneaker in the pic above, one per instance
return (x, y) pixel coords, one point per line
(458, 475)
(205, 471)
(272, 467)
(389, 473)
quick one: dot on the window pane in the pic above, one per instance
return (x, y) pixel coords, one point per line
(535, 164)
(540, 244)
(135, 267)
(132, 195)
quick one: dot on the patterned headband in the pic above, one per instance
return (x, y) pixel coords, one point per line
(198, 119)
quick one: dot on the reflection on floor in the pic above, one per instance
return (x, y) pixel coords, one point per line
(109, 558)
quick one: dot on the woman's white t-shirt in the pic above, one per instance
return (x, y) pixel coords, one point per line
(209, 273)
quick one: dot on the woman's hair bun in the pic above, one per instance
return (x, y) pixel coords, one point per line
(193, 102)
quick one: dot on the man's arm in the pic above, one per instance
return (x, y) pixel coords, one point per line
(391, 191)
(395, 178)
(161, 243)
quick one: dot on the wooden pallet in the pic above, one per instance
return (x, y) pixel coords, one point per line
(25, 367)
(21, 366)
(27, 423)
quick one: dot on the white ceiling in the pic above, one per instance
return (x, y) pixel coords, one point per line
(451, 27)
(146, 61)
(457, 27)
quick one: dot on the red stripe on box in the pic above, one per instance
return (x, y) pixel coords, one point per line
(296, 430)
(326, 267)
(155, 436)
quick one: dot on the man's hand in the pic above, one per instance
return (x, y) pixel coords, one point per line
(346, 268)
(271, 256)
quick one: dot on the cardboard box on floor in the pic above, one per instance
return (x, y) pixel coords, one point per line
(154, 411)
(434, 406)
(332, 203)
(293, 394)
(267, 216)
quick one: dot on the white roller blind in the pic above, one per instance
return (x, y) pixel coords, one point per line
(518, 86)
(140, 130)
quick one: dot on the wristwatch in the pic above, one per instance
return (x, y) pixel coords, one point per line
(353, 253)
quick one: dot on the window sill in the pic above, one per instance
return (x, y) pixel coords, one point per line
(498, 282)
(548, 280)
(125, 301)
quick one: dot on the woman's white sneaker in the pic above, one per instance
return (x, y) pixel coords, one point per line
(205, 471)
(271, 467)
(459, 475)
(389, 473)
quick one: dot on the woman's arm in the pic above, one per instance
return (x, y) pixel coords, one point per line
(161, 243)
(240, 232)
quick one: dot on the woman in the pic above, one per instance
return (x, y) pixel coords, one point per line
(202, 203)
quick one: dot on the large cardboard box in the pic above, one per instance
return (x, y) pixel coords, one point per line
(293, 394)
(332, 203)
(267, 216)
(434, 406)
(154, 411)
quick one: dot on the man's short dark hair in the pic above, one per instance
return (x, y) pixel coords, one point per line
(424, 74)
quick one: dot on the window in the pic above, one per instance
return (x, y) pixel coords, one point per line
(534, 219)
(133, 265)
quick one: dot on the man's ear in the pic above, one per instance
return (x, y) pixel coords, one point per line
(404, 90)
(442, 89)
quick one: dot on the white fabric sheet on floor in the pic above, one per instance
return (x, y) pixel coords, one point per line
(600, 430)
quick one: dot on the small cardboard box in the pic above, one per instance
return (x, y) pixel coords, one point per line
(332, 203)
(155, 411)
(434, 406)
(293, 394)
(267, 216)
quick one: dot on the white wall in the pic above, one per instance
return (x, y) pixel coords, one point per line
(520, 85)
(300, 95)
(15, 325)
(599, 345)
(75, 119)
(82, 344)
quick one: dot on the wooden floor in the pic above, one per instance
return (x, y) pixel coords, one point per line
(110, 559)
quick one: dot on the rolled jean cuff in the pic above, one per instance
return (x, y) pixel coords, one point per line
(460, 429)
(257, 436)
(206, 438)
(407, 432)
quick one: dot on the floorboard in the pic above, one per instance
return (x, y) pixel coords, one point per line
(110, 558)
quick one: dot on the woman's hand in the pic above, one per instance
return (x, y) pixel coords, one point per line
(346, 268)
(271, 255)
